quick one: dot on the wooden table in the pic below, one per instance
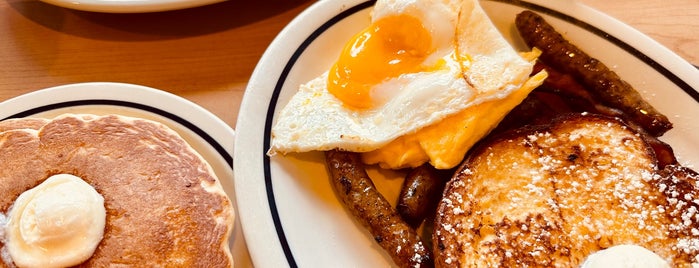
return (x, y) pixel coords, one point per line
(207, 54)
(204, 54)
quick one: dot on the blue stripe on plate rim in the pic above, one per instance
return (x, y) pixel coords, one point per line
(368, 4)
(189, 125)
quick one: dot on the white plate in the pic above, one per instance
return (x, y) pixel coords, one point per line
(129, 6)
(207, 134)
(289, 213)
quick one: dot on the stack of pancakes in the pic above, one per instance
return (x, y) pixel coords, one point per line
(164, 204)
(550, 196)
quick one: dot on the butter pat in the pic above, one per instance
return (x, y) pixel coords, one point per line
(58, 223)
(627, 256)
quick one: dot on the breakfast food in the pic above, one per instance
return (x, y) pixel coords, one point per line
(623, 256)
(58, 223)
(581, 184)
(357, 191)
(419, 194)
(402, 92)
(420, 68)
(163, 205)
(561, 93)
(585, 183)
(595, 75)
(579, 188)
(22, 123)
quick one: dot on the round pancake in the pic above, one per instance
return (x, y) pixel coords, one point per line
(165, 206)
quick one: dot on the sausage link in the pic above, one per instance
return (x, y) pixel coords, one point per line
(358, 193)
(603, 82)
(419, 195)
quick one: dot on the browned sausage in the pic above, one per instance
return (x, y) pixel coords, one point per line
(358, 193)
(421, 191)
(603, 82)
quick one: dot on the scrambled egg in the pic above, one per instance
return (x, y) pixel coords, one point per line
(445, 143)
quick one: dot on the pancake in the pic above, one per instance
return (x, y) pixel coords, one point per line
(551, 196)
(165, 206)
(22, 123)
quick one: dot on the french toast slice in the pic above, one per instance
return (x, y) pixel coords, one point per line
(550, 195)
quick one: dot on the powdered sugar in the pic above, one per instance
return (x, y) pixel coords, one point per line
(598, 183)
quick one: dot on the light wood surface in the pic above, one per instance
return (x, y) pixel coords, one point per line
(673, 23)
(204, 54)
(207, 54)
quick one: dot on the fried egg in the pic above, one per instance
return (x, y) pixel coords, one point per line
(419, 62)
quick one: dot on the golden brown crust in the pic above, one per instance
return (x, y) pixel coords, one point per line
(595, 75)
(22, 123)
(164, 205)
(550, 196)
(421, 190)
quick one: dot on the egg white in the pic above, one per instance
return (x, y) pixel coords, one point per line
(480, 66)
(439, 17)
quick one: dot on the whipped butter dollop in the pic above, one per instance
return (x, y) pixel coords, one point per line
(58, 223)
(627, 256)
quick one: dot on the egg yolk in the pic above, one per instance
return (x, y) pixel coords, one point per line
(389, 47)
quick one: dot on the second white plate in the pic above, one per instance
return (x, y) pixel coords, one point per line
(205, 132)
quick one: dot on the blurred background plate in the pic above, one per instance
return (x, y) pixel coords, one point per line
(129, 6)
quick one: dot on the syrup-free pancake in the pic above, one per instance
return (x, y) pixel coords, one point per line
(164, 204)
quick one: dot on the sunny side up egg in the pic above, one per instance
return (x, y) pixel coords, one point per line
(404, 38)
(419, 62)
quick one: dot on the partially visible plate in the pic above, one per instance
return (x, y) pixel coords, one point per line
(205, 132)
(289, 212)
(129, 6)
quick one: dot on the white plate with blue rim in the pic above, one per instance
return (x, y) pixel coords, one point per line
(205, 132)
(289, 213)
